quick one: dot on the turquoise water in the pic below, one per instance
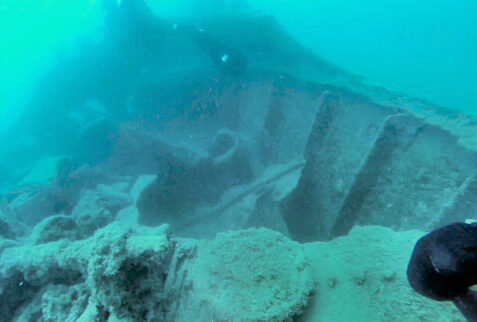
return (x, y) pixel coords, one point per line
(232, 160)
(426, 48)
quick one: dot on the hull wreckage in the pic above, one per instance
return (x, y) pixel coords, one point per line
(281, 140)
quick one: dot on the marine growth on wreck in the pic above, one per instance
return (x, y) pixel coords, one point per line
(208, 164)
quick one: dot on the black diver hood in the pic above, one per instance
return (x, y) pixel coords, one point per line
(443, 267)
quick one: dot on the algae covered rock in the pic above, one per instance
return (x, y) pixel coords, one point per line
(127, 273)
(362, 277)
(54, 302)
(55, 228)
(252, 275)
(97, 208)
(144, 274)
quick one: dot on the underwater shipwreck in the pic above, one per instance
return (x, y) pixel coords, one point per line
(224, 173)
